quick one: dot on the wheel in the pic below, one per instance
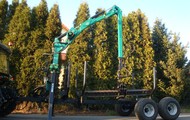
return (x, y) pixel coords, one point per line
(169, 108)
(146, 109)
(124, 107)
(10, 104)
(7, 107)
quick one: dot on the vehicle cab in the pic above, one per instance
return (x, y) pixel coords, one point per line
(7, 92)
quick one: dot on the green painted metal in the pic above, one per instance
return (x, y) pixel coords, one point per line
(74, 32)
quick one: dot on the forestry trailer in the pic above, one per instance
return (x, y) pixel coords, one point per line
(145, 108)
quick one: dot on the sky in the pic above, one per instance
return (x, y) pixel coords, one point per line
(173, 13)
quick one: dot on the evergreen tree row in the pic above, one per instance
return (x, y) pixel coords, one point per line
(32, 31)
(144, 49)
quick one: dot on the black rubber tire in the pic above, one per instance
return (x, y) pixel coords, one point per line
(169, 108)
(7, 108)
(124, 107)
(146, 109)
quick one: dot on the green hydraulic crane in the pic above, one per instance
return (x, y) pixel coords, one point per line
(71, 35)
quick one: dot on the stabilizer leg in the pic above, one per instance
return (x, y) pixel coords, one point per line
(51, 96)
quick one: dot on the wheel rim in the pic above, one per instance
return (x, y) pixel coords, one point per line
(149, 110)
(172, 108)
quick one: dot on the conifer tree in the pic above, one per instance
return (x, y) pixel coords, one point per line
(179, 50)
(3, 13)
(53, 25)
(19, 33)
(19, 27)
(128, 49)
(39, 17)
(11, 10)
(170, 61)
(160, 40)
(102, 60)
(26, 79)
(112, 40)
(147, 50)
(138, 51)
(186, 89)
(78, 50)
(36, 42)
(173, 68)
(131, 53)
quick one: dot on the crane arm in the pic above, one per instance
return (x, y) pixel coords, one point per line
(74, 32)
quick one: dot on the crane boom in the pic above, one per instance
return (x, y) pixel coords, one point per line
(75, 31)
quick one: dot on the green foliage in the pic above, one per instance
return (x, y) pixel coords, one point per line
(128, 50)
(133, 39)
(160, 41)
(185, 97)
(101, 57)
(30, 41)
(25, 75)
(12, 9)
(160, 45)
(40, 15)
(170, 61)
(147, 51)
(19, 27)
(3, 13)
(112, 49)
(18, 33)
(53, 25)
(78, 51)
(138, 52)
(41, 62)
(32, 32)
(173, 70)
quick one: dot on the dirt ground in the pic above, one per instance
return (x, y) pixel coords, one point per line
(34, 108)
